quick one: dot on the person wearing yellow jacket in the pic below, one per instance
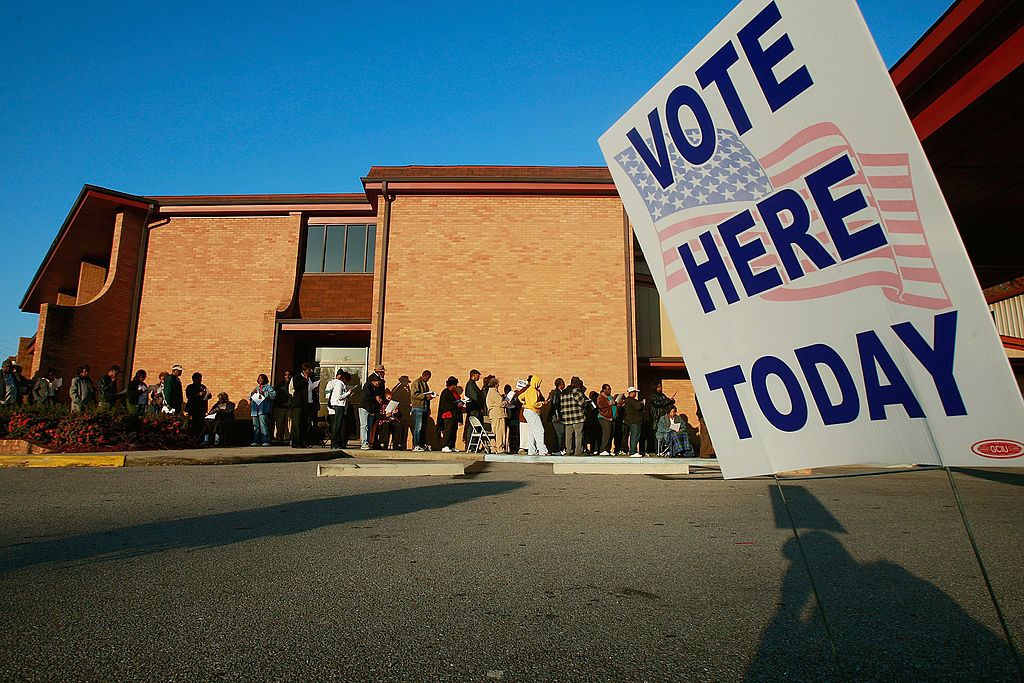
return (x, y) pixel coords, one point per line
(533, 401)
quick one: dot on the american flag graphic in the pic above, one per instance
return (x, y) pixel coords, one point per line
(733, 179)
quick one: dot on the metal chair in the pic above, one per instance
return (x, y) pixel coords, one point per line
(479, 437)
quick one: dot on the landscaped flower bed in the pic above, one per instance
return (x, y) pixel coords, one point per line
(58, 430)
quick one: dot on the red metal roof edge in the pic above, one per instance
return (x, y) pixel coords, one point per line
(932, 39)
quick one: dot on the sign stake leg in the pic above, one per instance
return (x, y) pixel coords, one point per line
(984, 574)
(810, 577)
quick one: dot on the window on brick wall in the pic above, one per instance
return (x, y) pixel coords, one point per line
(340, 248)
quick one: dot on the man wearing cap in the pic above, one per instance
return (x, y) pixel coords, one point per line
(173, 395)
(574, 415)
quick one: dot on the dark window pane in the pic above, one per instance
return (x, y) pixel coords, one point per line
(355, 251)
(315, 249)
(334, 254)
(371, 245)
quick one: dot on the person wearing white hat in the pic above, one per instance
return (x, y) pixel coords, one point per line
(173, 394)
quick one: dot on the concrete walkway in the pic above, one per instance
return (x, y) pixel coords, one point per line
(258, 454)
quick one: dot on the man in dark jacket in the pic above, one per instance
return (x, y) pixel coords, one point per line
(448, 415)
(474, 402)
(657, 407)
(633, 421)
(282, 396)
(369, 408)
(298, 405)
(173, 394)
(108, 387)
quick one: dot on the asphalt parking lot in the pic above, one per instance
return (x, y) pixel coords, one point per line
(265, 572)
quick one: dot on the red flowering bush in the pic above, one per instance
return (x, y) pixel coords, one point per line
(58, 429)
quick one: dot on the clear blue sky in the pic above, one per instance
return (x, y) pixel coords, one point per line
(200, 98)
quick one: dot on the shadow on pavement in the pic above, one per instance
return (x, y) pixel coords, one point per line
(1012, 478)
(888, 623)
(209, 531)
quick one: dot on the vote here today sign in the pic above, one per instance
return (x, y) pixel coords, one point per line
(820, 293)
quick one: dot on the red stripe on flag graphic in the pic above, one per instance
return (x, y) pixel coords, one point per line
(904, 269)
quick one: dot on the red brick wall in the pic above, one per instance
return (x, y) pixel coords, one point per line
(95, 333)
(335, 296)
(511, 285)
(211, 291)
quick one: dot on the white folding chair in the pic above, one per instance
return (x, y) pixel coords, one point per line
(479, 437)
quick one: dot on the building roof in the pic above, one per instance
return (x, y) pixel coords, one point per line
(250, 199)
(85, 235)
(576, 174)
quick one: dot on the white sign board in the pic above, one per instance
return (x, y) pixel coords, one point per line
(820, 293)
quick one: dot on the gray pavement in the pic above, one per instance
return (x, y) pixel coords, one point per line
(265, 572)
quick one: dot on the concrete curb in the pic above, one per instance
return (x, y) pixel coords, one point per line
(66, 460)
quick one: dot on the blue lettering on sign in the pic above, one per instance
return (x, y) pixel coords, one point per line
(883, 384)
(764, 59)
(765, 367)
(761, 60)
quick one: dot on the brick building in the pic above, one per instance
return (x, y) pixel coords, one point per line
(512, 270)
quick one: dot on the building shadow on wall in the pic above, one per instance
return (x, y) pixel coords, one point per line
(888, 623)
(210, 531)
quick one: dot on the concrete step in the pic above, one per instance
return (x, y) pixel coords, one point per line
(393, 468)
(634, 466)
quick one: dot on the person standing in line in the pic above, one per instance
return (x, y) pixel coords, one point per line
(156, 394)
(137, 394)
(298, 407)
(8, 385)
(605, 418)
(371, 404)
(555, 415)
(448, 415)
(23, 384)
(197, 402)
(512, 406)
(402, 394)
(83, 391)
(282, 400)
(496, 405)
(633, 420)
(474, 402)
(707, 449)
(44, 390)
(574, 415)
(369, 409)
(420, 402)
(592, 426)
(691, 433)
(173, 394)
(108, 387)
(337, 393)
(620, 433)
(533, 402)
(261, 405)
(312, 408)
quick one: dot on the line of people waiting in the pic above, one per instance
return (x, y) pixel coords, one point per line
(567, 420)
